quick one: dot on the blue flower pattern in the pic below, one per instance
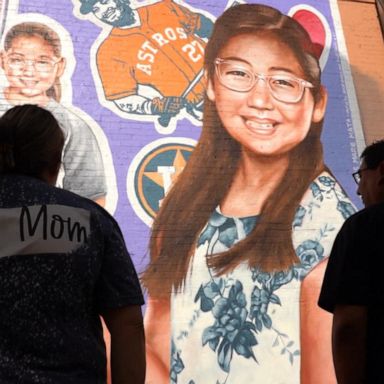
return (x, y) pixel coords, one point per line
(237, 322)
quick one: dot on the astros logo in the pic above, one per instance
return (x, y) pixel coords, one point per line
(152, 172)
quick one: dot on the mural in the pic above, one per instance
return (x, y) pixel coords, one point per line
(144, 46)
(245, 239)
(235, 176)
(33, 66)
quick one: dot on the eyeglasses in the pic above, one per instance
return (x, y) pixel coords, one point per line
(239, 77)
(18, 62)
(357, 175)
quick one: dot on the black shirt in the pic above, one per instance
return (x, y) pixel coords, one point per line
(354, 276)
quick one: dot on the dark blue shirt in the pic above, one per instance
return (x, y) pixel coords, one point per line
(63, 262)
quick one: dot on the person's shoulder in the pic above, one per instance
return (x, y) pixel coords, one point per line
(373, 213)
(363, 223)
(155, 6)
(72, 200)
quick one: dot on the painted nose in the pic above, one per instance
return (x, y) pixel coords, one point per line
(260, 95)
(29, 67)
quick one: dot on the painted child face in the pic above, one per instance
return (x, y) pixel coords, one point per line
(31, 67)
(262, 124)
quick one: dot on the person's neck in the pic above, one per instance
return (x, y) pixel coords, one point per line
(14, 97)
(253, 183)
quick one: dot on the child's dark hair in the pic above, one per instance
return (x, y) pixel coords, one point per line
(31, 141)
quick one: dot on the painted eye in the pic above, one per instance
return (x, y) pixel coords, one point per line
(284, 82)
(236, 73)
(16, 60)
(43, 62)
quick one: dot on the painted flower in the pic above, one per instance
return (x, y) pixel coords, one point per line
(310, 252)
(231, 332)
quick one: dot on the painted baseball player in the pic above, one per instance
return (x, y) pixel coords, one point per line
(158, 46)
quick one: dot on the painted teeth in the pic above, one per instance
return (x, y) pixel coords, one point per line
(260, 125)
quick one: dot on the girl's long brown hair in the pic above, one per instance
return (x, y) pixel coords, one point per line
(206, 179)
(30, 29)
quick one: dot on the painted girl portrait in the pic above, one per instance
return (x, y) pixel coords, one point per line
(33, 66)
(239, 246)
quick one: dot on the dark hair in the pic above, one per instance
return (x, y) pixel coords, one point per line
(87, 5)
(373, 155)
(30, 29)
(210, 170)
(31, 141)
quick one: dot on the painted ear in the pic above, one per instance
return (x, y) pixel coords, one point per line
(2, 53)
(317, 27)
(61, 66)
(210, 91)
(320, 106)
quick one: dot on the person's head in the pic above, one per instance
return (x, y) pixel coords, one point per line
(264, 80)
(117, 13)
(31, 143)
(32, 62)
(370, 176)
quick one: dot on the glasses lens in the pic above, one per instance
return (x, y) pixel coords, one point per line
(356, 176)
(44, 65)
(16, 62)
(41, 65)
(285, 88)
(235, 76)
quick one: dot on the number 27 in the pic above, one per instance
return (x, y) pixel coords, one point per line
(192, 49)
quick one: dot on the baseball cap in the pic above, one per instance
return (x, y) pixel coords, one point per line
(87, 6)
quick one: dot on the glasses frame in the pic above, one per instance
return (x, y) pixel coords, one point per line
(357, 175)
(33, 62)
(303, 84)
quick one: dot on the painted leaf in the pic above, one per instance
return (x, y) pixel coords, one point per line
(316, 191)
(275, 299)
(299, 216)
(209, 334)
(224, 357)
(211, 290)
(206, 304)
(228, 236)
(206, 235)
(267, 321)
(346, 208)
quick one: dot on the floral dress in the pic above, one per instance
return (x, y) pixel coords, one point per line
(244, 327)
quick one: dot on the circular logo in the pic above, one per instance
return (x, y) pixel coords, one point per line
(152, 172)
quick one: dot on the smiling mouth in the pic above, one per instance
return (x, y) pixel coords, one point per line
(29, 83)
(261, 127)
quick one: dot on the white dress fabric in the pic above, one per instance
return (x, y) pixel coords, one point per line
(244, 327)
